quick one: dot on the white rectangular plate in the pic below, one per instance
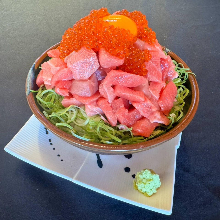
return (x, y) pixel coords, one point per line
(111, 175)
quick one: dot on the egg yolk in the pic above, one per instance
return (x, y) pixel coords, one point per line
(122, 21)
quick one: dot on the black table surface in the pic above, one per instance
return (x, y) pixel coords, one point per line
(189, 28)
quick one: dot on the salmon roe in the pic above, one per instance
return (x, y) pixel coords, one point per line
(144, 32)
(135, 62)
(94, 33)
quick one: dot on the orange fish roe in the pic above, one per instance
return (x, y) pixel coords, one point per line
(94, 33)
(135, 61)
(144, 32)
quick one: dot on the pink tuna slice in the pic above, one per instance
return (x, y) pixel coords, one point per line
(155, 88)
(63, 74)
(129, 94)
(167, 97)
(82, 63)
(143, 127)
(154, 72)
(64, 84)
(56, 65)
(107, 70)
(107, 60)
(155, 50)
(119, 103)
(145, 108)
(55, 53)
(48, 86)
(158, 117)
(107, 91)
(128, 117)
(93, 109)
(145, 89)
(87, 100)
(67, 101)
(85, 87)
(107, 109)
(40, 79)
(118, 77)
(50, 68)
(62, 91)
(168, 69)
(140, 44)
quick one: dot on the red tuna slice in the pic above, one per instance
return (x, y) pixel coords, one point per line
(107, 60)
(63, 74)
(145, 108)
(67, 101)
(154, 72)
(159, 117)
(155, 88)
(167, 97)
(143, 127)
(100, 74)
(107, 109)
(82, 63)
(85, 87)
(168, 69)
(55, 53)
(62, 91)
(129, 94)
(87, 100)
(128, 117)
(93, 109)
(40, 79)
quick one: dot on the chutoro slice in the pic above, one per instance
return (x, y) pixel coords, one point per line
(107, 109)
(85, 87)
(128, 117)
(143, 127)
(55, 53)
(167, 97)
(129, 94)
(82, 63)
(67, 101)
(107, 60)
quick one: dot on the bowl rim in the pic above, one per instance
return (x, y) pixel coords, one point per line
(105, 148)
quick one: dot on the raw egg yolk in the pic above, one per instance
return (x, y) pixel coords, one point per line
(122, 21)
